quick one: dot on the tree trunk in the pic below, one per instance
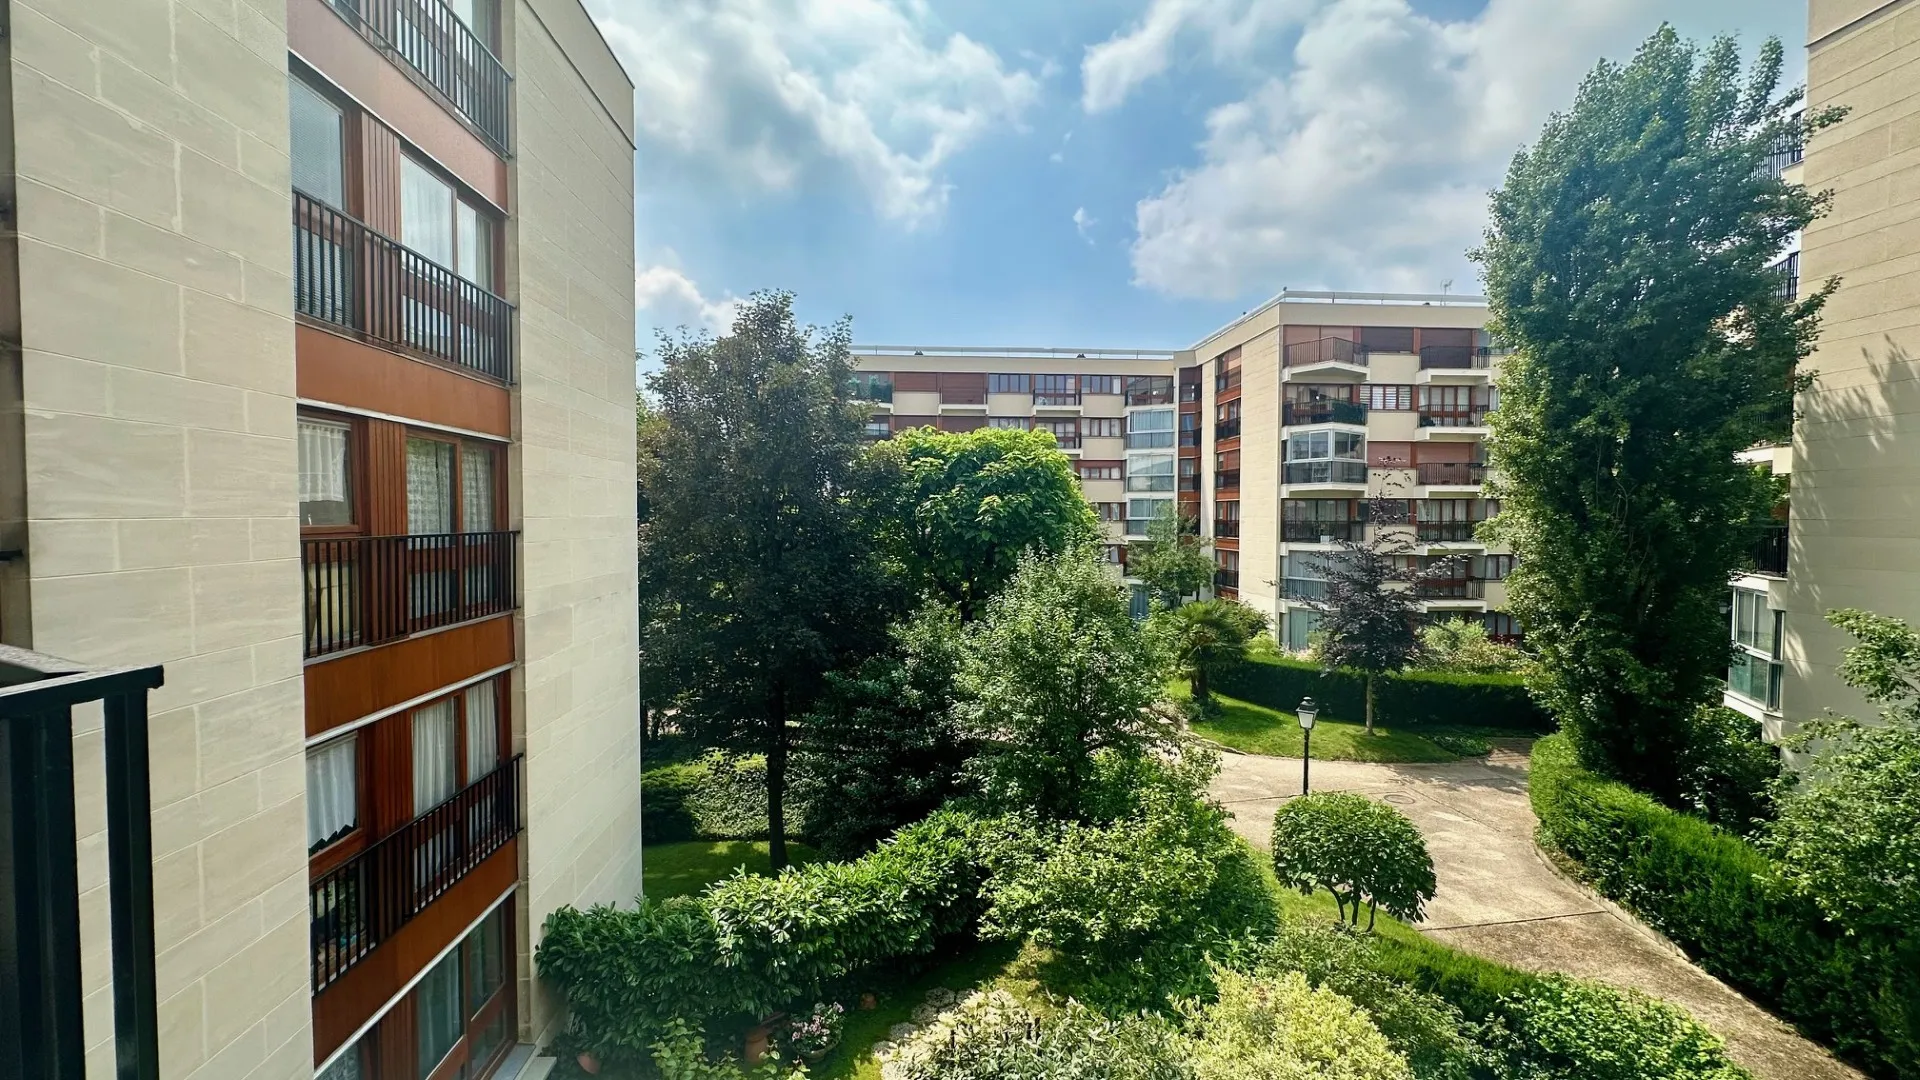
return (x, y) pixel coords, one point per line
(1369, 704)
(1201, 691)
(777, 781)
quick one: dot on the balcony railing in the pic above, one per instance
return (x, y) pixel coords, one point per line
(1226, 579)
(1189, 393)
(973, 396)
(1056, 400)
(1190, 437)
(1770, 553)
(1226, 380)
(1455, 357)
(1304, 589)
(1451, 473)
(1323, 412)
(361, 281)
(435, 43)
(1474, 417)
(1330, 471)
(1225, 479)
(365, 590)
(1322, 532)
(1226, 530)
(1325, 351)
(1190, 483)
(1149, 440)
(367, 899)
(1789, 271)
(1227, 429)
(1445, 532)
(1068, 440)
(1452, 589)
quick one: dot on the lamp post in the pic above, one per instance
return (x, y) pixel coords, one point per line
(1306, 712)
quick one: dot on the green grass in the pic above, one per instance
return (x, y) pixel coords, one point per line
(683, 869)
(897, 993)
(1256, 729)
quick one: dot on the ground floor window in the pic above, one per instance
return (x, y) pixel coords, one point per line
(1301, 624)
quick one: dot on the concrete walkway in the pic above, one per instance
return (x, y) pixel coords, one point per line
(1498, 896)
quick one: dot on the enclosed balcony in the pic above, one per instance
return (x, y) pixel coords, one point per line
(1226, 579)
(368, 590)
(1463, 588)
(1226, 530)
(1226, 429)
(445, 52)
(1226, 479)
(1454, 357)
(1445, 532)
(1330, 471)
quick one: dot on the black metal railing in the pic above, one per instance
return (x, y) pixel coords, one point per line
(1322, 532)
(364, 590)
(1190, 483)
(1190, 437)
(41, 993)
(1325, 351)
(1227, 429)
(434, 42)
(1789, 151)
(1329, 471)
(1445, 532)
(1226, 530)
(1451, 589)
(1226, 380)
(1456, 357)
(1789, 271)
(1226, 579)
(362, 902)
(346, 274)
(1226, 478)
(1323, 412)
(1770, 552)
(1473, 417)
(1451, 473)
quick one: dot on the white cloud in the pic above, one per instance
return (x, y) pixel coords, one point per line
(672, 299)
(1365, 163)
(767, 94)
(1083, 223)
(1112, 69)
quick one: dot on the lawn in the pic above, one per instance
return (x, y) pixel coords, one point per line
(1255, 729)
(682, 869)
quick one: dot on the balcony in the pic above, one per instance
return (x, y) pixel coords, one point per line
(1189, 393)
(1789, 271)
(376, 289)
(1226, 429)
(1454, 418)
(1305, 589)
(1323, 412)
(429, 38)
(968, 396)
(1445, 532)
(1329, 471)
(1069, 440)
(1452, 589)
(1453, 357)
(1225, 479)
(1226, 530)
(1325, 351)
(1322, 532)
(1149, 440)
(1226, 579)
(1150, 390)
(1190, 437)
(880, 392)
(367, 590)
(1056, 400)
(1452, 473)
(1226, 380)
(1190, 483)
(367, 899)
(1770, 552)
(1153, 482)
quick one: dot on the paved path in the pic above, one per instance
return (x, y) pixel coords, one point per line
(1499, 898)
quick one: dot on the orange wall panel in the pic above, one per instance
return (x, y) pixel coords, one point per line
(341, 371)
(346, 688)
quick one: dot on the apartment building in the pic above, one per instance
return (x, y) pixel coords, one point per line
(317, 392)
(1273, 433)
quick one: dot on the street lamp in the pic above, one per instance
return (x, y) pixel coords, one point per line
(1306, 712)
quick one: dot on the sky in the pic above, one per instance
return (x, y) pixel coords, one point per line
(1091, 173)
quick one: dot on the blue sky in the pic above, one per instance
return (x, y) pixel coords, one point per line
(1094, 173)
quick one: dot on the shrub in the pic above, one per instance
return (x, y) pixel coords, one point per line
(717, 796)
(1206, 638)
(1716, 896)
(1729, 772)
(991, 1036)
(1410, 699)
(1282, 1027)
(1563, 1029)
(1461, 646)
(1358, 849)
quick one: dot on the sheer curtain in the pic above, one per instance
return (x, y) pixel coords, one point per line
(332, 789)
(426, 213)
(476, 489)
(433, 755)
(429, 486)
(483, 729)
(324, 483)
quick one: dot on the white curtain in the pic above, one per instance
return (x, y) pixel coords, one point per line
(332, 803)
(476, 489)
(433, 755)
(483, 729)
(429, 486)
(324, 484)
(426, 213)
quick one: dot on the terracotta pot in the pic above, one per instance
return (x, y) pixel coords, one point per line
(868, 1003)
(757, 1040)
(588, 1063)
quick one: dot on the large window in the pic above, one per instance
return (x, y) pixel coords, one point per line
(1141, 512)
(1100, 427)
(1150, 430)
(1754, 624)
(449, 482)
(1755, 671)
(437, 223)
(317, 129)
(1100, 470)
(1150, 390)
(1014, 423)
(1100, 384)
(1056, 390)
(1111, 511)
(1387, 397)
(1320, 445)
(1150, 473)
(326, 473)
(460, 1006)
(1009, 384)
(435, 755)
(1302, 624)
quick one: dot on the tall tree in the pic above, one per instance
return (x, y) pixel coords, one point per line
(1626, 265)
(1174, 561)
(752, 556)
(956, 511)
(1207, 638)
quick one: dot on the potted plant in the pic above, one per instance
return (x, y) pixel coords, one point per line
(811, 1035)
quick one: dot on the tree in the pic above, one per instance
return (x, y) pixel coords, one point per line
(752, 553)
(1370, 613)
(1357, 849)
(1174, 561)
(955, 511)
(1206, 638)
(883, 747)
(1053, 672)
(1459, 645)
(1626, 267)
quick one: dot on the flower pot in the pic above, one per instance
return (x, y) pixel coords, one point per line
(756, 1047)
(815, 1057)
(589, 1064)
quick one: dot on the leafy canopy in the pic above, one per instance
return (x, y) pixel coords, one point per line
(1174, 561)
(1626, 267)
(1359, 850)
(1206, 638)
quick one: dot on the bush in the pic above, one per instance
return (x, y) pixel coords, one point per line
(991, 1036)
(1409, 699)
(1715, 895)
(1729, 772)
(717, 796)
(1563, 1029)
(1461, 646)
(1282, 1027)
(1355, 848)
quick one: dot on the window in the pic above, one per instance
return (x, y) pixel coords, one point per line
(1226, 461)
(1754, 624)
(1112, 511)
(1150, 474)
(1100, 427)
(333, 791)
(1389, 339)
(461, 1006)
(879, 428)
(1499, 624)
(1148, 509)
(476, 488)
(437, 224)
(1009, 384)
(1114, 554)
(1389, 398)
(1091, 470)
(1498, 567)
(1100, 384)
(429, 486)
(317, 148)
(437, 1013)
(1227, 510)
(482, 705)
(1314, 445)
(1067, 432)
(1227, 410)
(434, 761)
(1150, 430)
(1302, 624)
(1056, 389)
(1013, 423)
(873, 385)
(326, 475)
(1149, 389)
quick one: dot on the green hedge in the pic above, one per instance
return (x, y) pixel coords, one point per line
(1708, 890)
(717, 796)
(1412, 699)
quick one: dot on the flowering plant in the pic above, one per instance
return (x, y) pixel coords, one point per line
(817, 1031)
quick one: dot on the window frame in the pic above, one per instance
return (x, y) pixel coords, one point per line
(462, 196)
(358, 473)
(324, 858)
(350, 138)
(1110, 385)
(1009, 383)
(457, 482)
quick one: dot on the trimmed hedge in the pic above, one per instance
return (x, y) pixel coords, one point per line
(1710, 892)
(716, 796)
(1411, 700)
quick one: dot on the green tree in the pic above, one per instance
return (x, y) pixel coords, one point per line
(1359, 850)
(752, 554)
(1459, 645)
(883, 747)
(1174, 561)
(1206, 638)
(1053, 672)
(1280, 1027)
(955, 511)
(1625, 265)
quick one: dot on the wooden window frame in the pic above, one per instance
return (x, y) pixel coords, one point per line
(462, 194)
(458, 481)
(358, 474)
